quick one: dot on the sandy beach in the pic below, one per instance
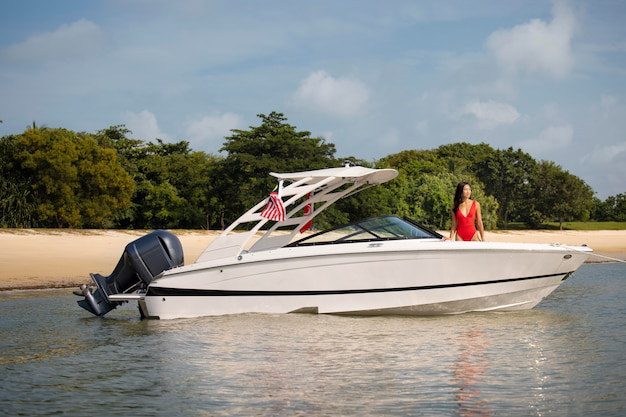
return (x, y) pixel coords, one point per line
(44, 258)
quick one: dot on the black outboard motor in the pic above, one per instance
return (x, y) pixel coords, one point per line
(142, 260)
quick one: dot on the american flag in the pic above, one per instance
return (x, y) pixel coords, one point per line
(275, 210)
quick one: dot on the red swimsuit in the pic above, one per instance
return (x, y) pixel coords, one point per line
(465, 224)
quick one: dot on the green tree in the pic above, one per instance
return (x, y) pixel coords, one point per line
(17, 203)
(618, 204)
(507, 176)
(558, 195)
(161, 205)
(413, 166)
(174, 184)
(274, 146)
(163, 171)
(434, 197)
(462, 157)
(601, 210)
(611, 209)
(436, 194)
(424, 188)
(74, 181)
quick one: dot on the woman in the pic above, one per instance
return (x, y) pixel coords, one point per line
(464, 212)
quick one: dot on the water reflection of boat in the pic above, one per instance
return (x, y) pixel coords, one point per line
(382, 265)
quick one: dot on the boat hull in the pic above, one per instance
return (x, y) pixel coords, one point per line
(385, 278)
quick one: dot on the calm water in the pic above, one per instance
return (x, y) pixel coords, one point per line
(565, 357)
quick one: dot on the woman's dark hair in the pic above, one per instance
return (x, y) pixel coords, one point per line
(458, 196)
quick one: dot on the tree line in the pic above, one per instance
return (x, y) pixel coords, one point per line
(54, 177)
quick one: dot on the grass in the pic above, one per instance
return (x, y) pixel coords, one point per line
(571, 226)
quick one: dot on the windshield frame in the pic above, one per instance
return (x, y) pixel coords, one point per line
(373, 229)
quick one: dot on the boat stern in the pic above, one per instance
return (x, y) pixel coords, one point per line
(142, 261)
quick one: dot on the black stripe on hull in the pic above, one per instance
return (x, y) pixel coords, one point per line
(190, 292)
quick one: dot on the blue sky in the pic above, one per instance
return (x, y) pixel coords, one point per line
(372, 77)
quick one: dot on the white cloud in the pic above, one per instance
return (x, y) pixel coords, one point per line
(551, 111)
(550, 139)
(537, 45)
(608, 102)
(390, 138)
(75, 40)
(491, 114)
(143, 125)
(212, 129)
(610, 108)
(608, 154)
(328, 135)
(611, 160)
(321, 92)
(422, 127)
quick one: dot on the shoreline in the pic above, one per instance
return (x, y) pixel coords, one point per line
(33, 259)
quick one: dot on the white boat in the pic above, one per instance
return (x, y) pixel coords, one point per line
(383, 265)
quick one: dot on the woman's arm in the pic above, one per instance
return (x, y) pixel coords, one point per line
(454, 224)
(479, 222)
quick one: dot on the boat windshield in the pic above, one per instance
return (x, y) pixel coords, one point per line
(376, 228)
